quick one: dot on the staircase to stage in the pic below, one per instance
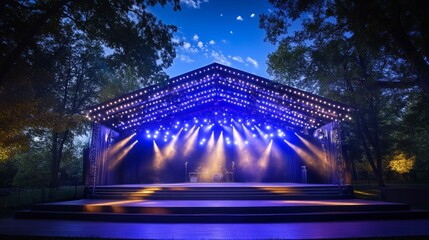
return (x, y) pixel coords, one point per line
(223, 202)
(223, 191)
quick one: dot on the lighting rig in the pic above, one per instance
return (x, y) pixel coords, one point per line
(218, 96)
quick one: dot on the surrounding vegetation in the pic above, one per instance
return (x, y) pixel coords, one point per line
(59, 57)
(372, 55)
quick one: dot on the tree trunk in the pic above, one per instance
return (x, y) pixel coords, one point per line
(55, 161)
(57, 155)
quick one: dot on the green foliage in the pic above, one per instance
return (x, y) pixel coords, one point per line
(33, 169)
(396, 30)
(330, 55)
(59, 57)
(8, 170)
(413, 134)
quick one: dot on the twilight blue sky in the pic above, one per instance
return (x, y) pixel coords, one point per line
(223, 31)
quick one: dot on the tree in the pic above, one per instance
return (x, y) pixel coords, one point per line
(58, 56)
(326, 57)
(411, 137)
(397, 28)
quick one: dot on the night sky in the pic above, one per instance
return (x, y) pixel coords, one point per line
(222, 31)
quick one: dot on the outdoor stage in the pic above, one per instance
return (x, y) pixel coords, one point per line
(220, 203)
(252, 153)
(218, 211)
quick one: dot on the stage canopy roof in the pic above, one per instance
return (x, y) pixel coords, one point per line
(218, 94)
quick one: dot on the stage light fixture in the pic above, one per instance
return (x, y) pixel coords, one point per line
(319, 134)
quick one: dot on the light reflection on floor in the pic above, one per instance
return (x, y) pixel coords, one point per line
(221, 203)
(348, 229)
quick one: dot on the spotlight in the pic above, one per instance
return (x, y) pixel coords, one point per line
(246, 142)
(319, 134)
(148, 136)
(268, 127)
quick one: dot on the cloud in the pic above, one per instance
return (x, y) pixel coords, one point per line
(220, 58)
(252, 15)
(239, 18)
(175, 40)
(189, 48)
(200, 44)
(193, 3)
(195, 37)
(252, 61)
(237, 58)
(185, 58)
(186, 45)
(212, 42)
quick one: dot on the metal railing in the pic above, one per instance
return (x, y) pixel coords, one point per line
(390, 177)
(25, 197)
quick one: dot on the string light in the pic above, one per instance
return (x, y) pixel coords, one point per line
(226, 88)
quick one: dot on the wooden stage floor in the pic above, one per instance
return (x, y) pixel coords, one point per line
(217, 211)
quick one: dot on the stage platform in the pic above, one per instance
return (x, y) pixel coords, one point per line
(221, 203)
(218, 211)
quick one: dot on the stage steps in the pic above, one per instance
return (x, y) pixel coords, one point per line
(221, 204)
(224, 193)
(221, 211)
